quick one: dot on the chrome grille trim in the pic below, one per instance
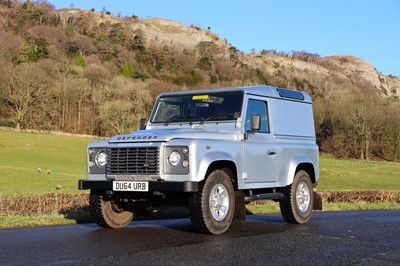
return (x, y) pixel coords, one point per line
(133, 161)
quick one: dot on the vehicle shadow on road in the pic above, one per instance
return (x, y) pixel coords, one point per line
(177, 219)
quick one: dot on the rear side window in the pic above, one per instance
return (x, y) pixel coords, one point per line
(257, 107)
(296, 95)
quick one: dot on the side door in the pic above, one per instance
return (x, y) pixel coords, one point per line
(259, 146)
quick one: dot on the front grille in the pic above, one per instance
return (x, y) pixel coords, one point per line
(134, 161)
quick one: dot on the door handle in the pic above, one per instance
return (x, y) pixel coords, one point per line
(271, 152)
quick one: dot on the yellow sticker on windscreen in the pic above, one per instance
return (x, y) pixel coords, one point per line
(200, 97)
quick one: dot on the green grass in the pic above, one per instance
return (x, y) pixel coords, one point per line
(338, 174)
(20, 221)
(60, 158)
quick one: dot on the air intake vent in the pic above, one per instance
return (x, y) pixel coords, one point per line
(134, 161)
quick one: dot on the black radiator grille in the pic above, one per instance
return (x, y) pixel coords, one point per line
(138, 160)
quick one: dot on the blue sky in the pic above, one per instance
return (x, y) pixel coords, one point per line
(369, 29)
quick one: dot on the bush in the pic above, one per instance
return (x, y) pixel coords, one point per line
(204, 63)
(32, 49)
(370, 196)
(141, 75)
(189, 79)
(47, 203)
(69, 30)
(7, 123)
(80, 61)
(213, 79)
(127, 69)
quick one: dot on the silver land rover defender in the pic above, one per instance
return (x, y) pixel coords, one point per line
(211, 151)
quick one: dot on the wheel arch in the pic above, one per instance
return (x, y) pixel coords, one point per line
(302, 163)
(228, 166)
(217, 160)
(309, 168)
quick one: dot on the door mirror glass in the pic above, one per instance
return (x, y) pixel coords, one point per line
(255, 122)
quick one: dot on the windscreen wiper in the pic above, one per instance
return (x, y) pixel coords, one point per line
(214, 115)
(177, 118)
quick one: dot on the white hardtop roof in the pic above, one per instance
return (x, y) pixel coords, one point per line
(261, 90)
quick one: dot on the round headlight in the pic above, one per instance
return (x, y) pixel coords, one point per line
(174, 158)
(101, 159)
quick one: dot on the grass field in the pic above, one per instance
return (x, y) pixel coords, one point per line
(39, 162)
(336, 174)
(23, 154)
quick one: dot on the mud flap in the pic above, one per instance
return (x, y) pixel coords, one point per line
(317, 202)
(240, 206)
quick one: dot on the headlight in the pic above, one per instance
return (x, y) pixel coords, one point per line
(101, 159)
(177, 160)
(174, 158)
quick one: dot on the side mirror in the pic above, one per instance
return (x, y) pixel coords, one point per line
(143, 123)
(255, 122)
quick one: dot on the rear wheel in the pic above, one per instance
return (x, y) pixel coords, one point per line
(296, 205)
(212, 207)
(107, 213)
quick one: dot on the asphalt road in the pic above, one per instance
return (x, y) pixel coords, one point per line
(333, 238)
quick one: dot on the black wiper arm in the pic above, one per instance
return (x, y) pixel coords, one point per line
(176, 118)
(213, 116)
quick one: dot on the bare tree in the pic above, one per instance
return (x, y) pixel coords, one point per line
(364, 122)
(392, 130)
(23, 87)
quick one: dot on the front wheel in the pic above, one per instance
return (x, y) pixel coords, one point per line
(296, 205)
(212, 207)
(106, 213)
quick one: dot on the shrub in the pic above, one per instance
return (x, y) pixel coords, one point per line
(141, 75)
(31, 50)
(7, 123)
(127, 69)
(69, 30)
(189, 79)
(204, 63)
(80, 61)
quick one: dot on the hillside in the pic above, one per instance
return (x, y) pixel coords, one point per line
(163, 32)
(82, 71)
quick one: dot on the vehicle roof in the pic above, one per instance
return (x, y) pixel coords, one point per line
(260, 90)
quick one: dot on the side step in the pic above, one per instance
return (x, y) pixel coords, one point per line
(269, 196)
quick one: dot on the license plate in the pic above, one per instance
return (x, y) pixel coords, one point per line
(131, 186)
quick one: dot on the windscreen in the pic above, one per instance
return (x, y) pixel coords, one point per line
(198, 107)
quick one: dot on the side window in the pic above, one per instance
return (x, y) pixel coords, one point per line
(257, 107)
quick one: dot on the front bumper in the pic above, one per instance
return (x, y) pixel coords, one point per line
(161, 186)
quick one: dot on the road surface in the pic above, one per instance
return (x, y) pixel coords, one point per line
(336, 238)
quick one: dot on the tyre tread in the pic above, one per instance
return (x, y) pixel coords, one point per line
(287, 203)
(198, 215)
(105, 216)
(97, 211)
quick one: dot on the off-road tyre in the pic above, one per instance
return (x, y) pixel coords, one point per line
(212, 207)
(297, 204)
(106, 213)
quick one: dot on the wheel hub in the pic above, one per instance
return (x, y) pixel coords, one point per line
(219, 202)
(303, 197)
